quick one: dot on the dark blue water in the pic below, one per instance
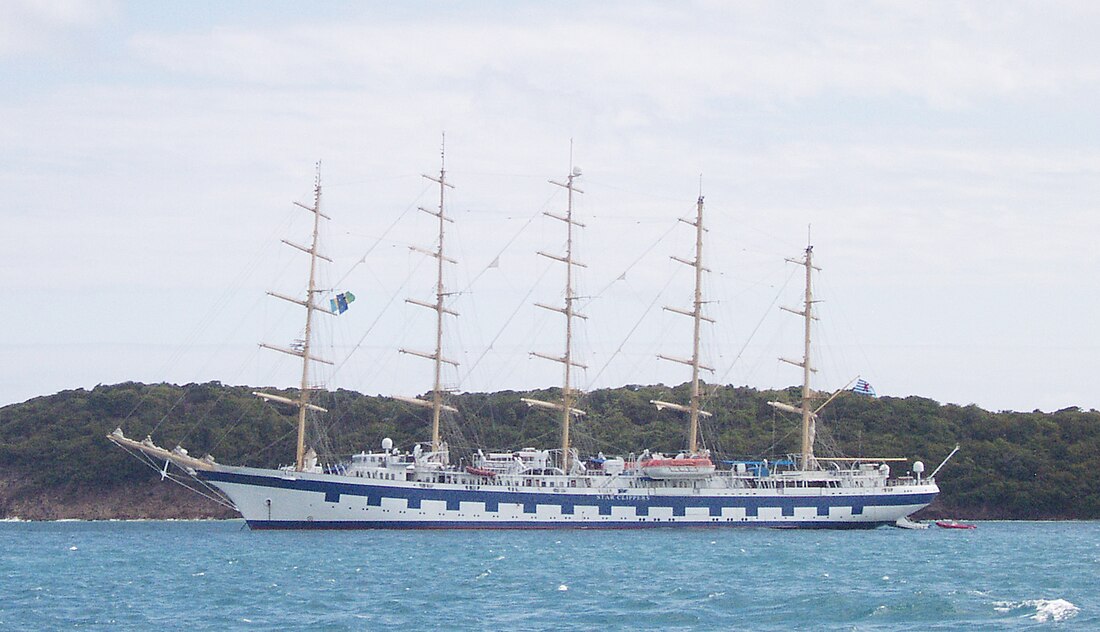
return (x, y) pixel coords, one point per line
(216, 576)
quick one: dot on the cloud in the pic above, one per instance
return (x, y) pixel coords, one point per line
(30, 26)
(677, 60)
(942, 153)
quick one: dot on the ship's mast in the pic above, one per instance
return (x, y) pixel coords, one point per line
(304, 352)
(567, 396)
(809, 415)
(436, 403)
(697, 317)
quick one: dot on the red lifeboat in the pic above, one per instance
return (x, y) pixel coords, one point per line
(681, 467)
(478, 471)
(700, 461)
(951, 524)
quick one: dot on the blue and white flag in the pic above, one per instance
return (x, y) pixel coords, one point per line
(339, 305)
(863, 387)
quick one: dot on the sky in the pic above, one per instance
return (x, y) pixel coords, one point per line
(942, 158)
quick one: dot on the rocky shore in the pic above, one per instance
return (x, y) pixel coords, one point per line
(131, 501)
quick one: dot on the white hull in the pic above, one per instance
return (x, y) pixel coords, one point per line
(276, 499)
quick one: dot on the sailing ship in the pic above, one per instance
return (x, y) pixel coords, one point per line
(543, 488)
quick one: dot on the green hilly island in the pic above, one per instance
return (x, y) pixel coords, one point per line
(55, 461)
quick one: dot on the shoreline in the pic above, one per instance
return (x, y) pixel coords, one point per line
(19, 520)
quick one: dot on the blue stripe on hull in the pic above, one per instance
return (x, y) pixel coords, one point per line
(640, 502)
(348, 525)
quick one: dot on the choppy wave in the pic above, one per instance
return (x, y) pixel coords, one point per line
(217, 575)
(1041, 610)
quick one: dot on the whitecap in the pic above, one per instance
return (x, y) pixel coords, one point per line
(1053, 610)
(563, 588)
(1046, 610)
(72, 548)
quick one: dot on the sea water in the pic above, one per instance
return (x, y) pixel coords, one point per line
(218, 575)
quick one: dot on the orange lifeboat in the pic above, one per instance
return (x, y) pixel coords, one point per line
(678, 468)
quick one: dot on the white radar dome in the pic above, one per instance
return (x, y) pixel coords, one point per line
(918, 467)
(387, 444)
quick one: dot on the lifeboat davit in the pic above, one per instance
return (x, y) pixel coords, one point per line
(478, 471)
(678, 468)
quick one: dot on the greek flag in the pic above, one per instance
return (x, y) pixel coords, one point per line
(339, 305)
(863, 387)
